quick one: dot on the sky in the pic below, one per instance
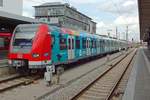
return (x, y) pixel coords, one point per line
(108, 14)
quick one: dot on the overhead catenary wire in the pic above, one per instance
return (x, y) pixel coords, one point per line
(118, 10)
(126, 21)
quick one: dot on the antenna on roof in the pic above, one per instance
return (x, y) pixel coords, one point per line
(67, 1)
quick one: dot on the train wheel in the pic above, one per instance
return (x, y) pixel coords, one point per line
(24, 71)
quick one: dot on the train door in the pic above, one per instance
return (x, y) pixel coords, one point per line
(71, 53)
(88, 46)
(98, 46)
(92, 46)
(89, 49)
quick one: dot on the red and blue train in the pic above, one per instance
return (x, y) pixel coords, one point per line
(35, 46)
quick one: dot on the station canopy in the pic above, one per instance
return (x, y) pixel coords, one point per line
(11, 20)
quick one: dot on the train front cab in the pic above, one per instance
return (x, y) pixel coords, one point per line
(30, 47)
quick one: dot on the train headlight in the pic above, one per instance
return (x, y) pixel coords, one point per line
(35, 55)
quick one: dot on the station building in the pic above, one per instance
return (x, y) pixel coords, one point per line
(10, 17)
(12, 6)
(64, 15)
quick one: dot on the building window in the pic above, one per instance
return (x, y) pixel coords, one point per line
(1, 3)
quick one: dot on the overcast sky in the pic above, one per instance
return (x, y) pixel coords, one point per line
(108, 14)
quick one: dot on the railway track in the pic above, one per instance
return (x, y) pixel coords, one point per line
(70, 90)
(118, 92)
(4, 63)
(12, 82)
(104, 86)
(9, 78)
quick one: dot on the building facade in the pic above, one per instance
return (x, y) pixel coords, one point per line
(12, 6)
(65, 16)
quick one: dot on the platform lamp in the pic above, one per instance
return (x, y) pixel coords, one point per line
(108, 32)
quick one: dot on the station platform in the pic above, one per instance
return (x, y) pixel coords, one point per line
(4, 69)
(138, 87)
(3, 54)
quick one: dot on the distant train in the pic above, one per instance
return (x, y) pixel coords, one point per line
(5, 36)
(35, 46)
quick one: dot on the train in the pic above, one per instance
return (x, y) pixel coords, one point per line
(35, 46)
(5, 37)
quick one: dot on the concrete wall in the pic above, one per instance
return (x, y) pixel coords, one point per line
(12, 6)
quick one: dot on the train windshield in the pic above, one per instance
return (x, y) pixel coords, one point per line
(23, 36)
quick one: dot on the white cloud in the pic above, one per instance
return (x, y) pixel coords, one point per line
(128, 3)
(84, 1)
(100, 24)
(119, 7)
(124, 20)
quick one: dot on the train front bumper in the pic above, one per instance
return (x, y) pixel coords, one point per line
(39, 64)
(30, 64)
(17, 63)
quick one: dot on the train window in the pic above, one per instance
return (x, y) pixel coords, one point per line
(63, 44)
(95, 44)
(92, 43)
(26, 29)
(4, 30)
(100, 43)
(69, 41)
(72, 43)
(77, 44)
(84, 43)
(88, 43)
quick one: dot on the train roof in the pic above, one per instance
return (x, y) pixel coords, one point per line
(83, 34)
(73, 32)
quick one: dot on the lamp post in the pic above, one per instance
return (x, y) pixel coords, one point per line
(108, 32)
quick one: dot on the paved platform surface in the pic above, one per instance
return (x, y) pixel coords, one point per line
(138, 87)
